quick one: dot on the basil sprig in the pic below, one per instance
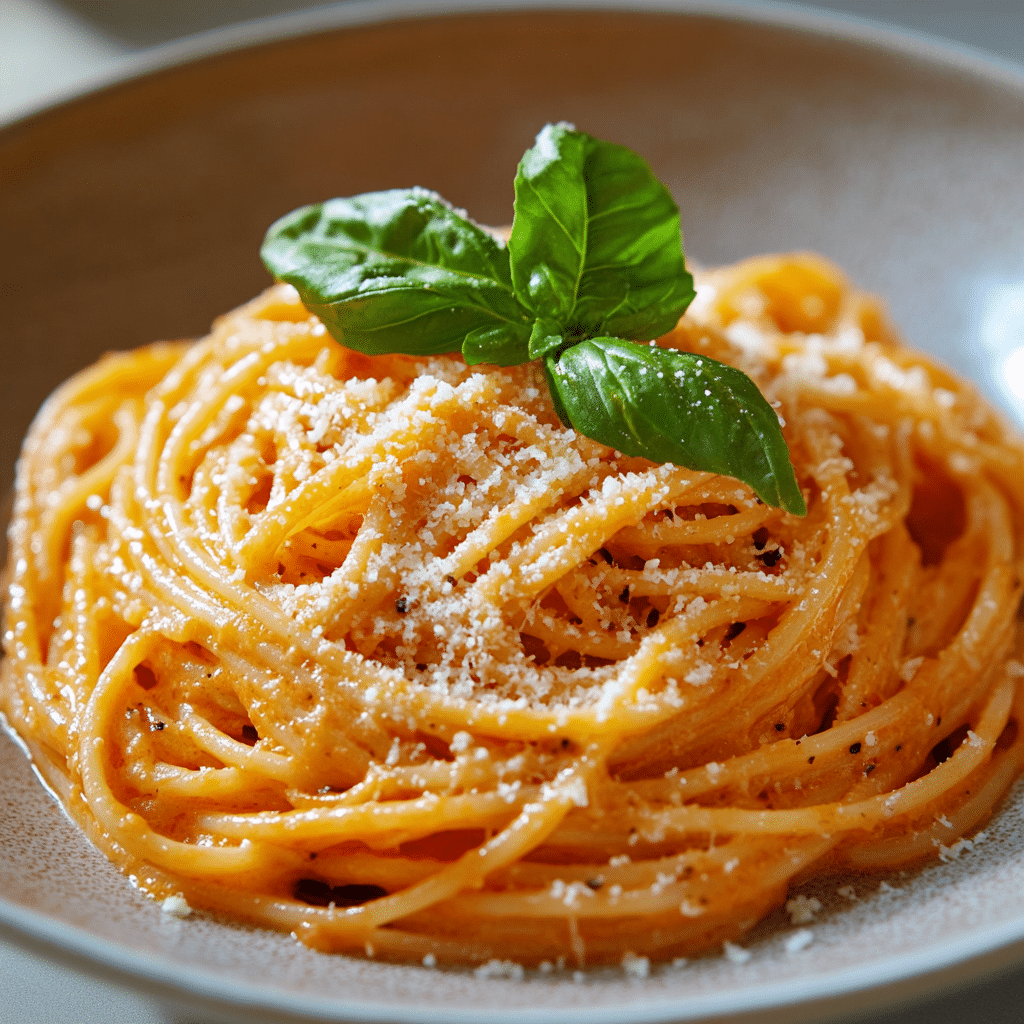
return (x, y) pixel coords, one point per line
(595, 257)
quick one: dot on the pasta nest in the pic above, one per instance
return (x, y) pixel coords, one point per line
(376, 650)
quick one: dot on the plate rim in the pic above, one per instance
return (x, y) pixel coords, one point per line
(901, 977)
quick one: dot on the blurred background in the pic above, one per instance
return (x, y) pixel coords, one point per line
(50, 48)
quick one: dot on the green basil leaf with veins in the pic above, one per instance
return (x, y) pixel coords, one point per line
(400, 271)
(496, 344)
(596, 243)
(545, 339)
(671, 406)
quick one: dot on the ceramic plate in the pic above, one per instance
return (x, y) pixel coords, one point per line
(136, 213)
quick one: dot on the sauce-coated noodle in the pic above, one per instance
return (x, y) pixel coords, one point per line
(376, 651)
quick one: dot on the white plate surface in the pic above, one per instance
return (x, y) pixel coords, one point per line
(903, 935)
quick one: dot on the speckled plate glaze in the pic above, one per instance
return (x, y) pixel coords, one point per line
(138, 209)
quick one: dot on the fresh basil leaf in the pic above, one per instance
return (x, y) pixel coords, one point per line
(671, 406)
(545, 339)
(595, 242)
(550, 365)
(399, 271)
(496, 344)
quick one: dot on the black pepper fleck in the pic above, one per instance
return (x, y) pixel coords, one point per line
(734, 630)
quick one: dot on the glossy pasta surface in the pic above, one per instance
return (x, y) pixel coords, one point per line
(376, 651)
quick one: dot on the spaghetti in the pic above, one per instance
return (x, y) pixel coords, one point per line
(374, 650)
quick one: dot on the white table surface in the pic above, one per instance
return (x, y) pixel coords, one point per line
(50, 47)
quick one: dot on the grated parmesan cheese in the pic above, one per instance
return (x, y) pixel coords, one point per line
(176, 906)
(799, 940)
(801, 909)
(635, 966)
(735, 954)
